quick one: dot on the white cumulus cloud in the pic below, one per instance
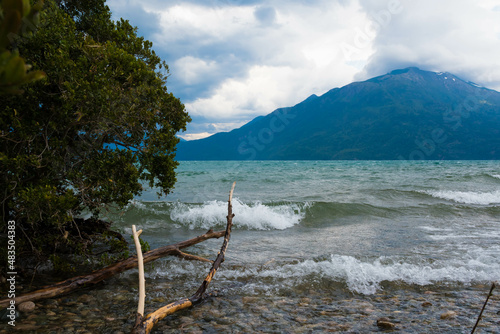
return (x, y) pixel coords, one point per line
(232, 60)
(457, 36)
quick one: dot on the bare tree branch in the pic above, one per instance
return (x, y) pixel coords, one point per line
(75, 283)
(152, 319)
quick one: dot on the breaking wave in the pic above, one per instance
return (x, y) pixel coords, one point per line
(255, 216)
(359, 276)
(468, 197)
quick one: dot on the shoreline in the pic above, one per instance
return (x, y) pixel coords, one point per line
(110, 308)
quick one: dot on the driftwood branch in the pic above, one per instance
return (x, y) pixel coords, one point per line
(190, 257)
(142, 281)
(493, 285)
(95, 277)
(153, 318)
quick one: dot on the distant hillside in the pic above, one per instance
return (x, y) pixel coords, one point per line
(405, 114)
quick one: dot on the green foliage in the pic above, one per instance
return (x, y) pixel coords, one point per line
(62, 266)
(17, 18)
(145, 247)
(109, 248)
(87, 137)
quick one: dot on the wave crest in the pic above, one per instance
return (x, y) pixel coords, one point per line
(368, 277)
(256, 216)
(468, 197)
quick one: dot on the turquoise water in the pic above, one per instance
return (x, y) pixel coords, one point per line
(337, 243)
(327, 246)
(359, 224)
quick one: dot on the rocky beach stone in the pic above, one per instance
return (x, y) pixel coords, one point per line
(247, 300)
(385, 323)
(121, 297)
(26, 307)
(255, 312)
(51, 304)
(27, 328)
(448, 315)
(85, 299)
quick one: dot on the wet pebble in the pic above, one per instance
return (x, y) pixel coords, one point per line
(448, 315)
(159, 300)
(86, 299)
(27, 328)
(249, 300)
(406, 310)
(186, 321)
(120, 297)
(367, 311)
(84, 313)
(300, 319)
(94, 324)
(26, 307)
(51, 304)
(385, 323)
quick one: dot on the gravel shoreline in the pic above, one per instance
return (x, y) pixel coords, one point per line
(110, 308)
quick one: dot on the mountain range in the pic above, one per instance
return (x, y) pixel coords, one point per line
(407, 114)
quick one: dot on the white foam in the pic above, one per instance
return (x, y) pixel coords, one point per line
(366, 277)
(252, 216)
(468, 197)
(134, 203)
(435, 229)
(496, 176)
(360, 276)
(150, 207)
(450, 236)
(176, 269)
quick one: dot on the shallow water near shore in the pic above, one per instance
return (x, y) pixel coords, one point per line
(109, 309)
(316, 246)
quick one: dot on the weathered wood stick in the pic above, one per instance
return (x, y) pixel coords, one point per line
(153, 318)
(493, 285)
(142, 280)
(190, 257)
(97, 276)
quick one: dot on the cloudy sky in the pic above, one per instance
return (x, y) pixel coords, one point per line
(233, 60)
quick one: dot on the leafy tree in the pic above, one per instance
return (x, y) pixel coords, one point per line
(87, 137)
(17, 17)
